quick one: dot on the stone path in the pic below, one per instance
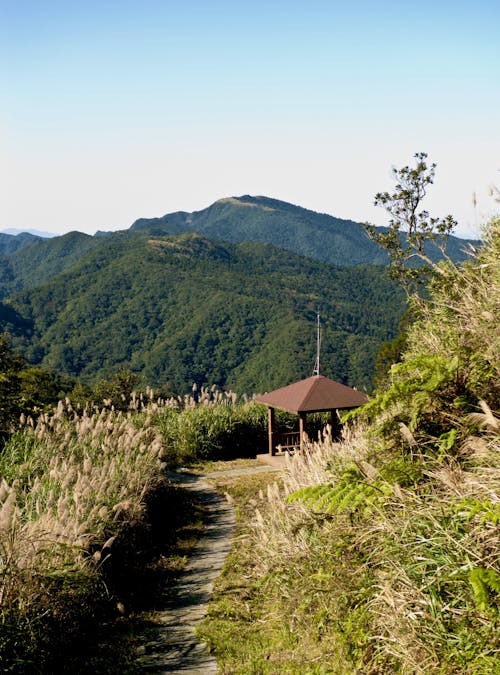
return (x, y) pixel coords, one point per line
(171, 646)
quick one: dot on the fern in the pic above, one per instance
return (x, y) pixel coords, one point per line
(402, 471)
(470, 508)
(415, 385)
(448, 440)
(485, 586)
(352, 493)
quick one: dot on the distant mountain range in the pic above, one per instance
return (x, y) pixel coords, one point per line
(293, 228)
(226, 296)
(11, 242)
(37, 233)
(179, 309)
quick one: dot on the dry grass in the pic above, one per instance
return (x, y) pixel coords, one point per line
(414, 552)
(78, 490)
(70, 484)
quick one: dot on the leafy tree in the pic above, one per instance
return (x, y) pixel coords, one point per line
(11, 365)
(411, 229)
(25, 390)
(80, 395)
(41, 389)
(392, 351)
(116, 390)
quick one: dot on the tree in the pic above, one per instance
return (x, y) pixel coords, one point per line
(40, 389)
(411, 230)
(391, 352)
(25, 390)
(10, 386)
(116, 390)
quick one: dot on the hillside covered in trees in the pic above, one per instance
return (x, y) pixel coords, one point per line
(225, 296)
(182, 309)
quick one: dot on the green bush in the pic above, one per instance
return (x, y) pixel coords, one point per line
(213, 430)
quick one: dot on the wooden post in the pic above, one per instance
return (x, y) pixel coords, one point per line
(334, 423)
(302, 429)
(270, 428)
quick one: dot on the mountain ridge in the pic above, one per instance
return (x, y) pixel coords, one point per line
(259, 218)
(37, 233)
(293, 228)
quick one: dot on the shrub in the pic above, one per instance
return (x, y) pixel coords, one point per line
(216, 426)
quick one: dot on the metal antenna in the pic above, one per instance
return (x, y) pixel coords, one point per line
(318, 345)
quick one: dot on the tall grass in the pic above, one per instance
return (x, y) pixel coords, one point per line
(73, 486)
(414, 561)
(395, 530)
(215, 425)
(69, 485)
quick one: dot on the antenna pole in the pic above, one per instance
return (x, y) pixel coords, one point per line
(318, 346)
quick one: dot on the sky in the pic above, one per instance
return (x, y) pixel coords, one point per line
(111, 110)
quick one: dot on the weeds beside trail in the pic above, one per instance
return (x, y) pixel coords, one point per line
(72, 485)
(91, 531)
(380, 554)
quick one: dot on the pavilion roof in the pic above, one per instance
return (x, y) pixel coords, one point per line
(314, 394)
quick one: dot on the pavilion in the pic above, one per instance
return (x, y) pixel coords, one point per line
(314, 394)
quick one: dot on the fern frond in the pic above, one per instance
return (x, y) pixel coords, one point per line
(489, 512)
(352, 493)
(485, 586)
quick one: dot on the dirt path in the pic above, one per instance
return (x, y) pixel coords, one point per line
(172, 645)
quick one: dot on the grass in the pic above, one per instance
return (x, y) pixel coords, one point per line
(215, 427)
(209, 466)
(277, 622)
(92, 534)
(377, 590)
(87, 524)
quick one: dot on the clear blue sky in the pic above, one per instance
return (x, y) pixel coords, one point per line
(115, 109)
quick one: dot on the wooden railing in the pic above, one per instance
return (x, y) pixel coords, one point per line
(288, 441)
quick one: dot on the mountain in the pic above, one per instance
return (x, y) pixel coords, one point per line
(39, 260)
(205, 297)
(27, 260)
(10, 243)
(293, 228)
(36, 233)
(180, 309)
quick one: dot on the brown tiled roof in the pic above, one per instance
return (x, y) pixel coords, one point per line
(314, 394)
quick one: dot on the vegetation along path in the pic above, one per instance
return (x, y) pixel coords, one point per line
(172, 645)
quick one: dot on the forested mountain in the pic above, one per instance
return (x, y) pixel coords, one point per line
(181, 309)
(10, 243)
(37, 260)
(293, 228)
(178, 307)
(27, 260)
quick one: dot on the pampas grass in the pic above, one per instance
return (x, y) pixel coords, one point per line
(417, 565)
(69, 485)
(72, 482)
